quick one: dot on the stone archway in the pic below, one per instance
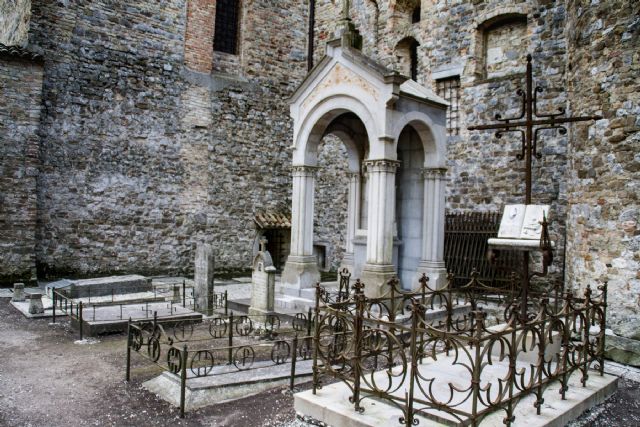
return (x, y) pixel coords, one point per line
(367, 106)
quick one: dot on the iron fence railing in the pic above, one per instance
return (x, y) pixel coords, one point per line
(395, 349)
(191, 349)
(465, 249)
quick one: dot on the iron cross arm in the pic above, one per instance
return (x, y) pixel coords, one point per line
(507, 125)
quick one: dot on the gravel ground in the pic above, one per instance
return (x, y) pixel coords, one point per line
(49, 379)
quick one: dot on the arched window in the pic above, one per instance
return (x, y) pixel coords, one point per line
(407, 57)
(415, 15)
(227, 26)
(503, 44)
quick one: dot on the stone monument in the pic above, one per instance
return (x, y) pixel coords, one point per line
(203, 280)
(263, 282)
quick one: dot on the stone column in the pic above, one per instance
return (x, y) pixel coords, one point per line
(203, 278)
(433, 217)
(352, 220)
(382, 200)
(301, 268)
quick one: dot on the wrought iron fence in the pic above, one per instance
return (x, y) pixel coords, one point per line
(194, 350)
(465, 249)
(399, 348)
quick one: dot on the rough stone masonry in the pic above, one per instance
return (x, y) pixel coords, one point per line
(133, 140)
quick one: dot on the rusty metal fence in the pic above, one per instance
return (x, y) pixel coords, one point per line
(460, 366)
(465, 249)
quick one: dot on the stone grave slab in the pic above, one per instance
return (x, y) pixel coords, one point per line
(225, 383)
(102, 286)
(114, 317)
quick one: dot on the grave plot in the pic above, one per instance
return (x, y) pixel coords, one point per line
(468, 368)
(222, 358)
(94, 308)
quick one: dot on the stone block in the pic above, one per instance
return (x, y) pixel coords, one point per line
(622, 350)
(35, 304)
(18, 292)
(204, 276)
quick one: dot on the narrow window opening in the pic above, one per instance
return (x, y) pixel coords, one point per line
(414, 60)
(227, 25)
(449, 89)
(415, 15)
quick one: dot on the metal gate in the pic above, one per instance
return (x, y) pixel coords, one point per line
(465, 249)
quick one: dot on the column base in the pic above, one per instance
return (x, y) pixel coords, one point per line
(435, 271)
(348, 262)
(300, 272)
(375, 278)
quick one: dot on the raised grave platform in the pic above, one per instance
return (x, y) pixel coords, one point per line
(331, 403)
(114, 318)
(225, 383)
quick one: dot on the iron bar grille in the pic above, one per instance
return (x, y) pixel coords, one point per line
(465, 249)
(226, 31)
(449, 89)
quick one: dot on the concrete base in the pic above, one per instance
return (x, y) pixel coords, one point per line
(375, 278)
(225, 383)
(301, 272)
(331, 403)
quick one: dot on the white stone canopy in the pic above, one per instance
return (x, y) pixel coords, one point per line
(394, 132)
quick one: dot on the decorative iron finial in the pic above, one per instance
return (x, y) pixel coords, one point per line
(358, 287)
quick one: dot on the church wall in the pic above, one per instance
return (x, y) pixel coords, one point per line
(20, 106)
(604, 172)
(147, 146)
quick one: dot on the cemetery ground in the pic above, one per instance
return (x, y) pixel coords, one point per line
(47, 378)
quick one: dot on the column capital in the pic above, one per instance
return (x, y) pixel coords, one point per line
(304, 170)
(353, 175)
(434, 173)
(381, 165)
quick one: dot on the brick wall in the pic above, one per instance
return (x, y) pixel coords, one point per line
(198, 43)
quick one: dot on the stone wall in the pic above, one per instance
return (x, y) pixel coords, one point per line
(332, 185)
(112, 177)
(483, 171)
(604, 174)
(14, 22)
(20, 105)
(146, 148)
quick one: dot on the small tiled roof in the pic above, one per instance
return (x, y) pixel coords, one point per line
(273, 220)
(18, 52)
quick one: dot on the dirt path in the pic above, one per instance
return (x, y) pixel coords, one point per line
(46, 379)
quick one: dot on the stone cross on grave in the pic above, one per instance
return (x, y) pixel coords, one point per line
(263, 244)
(529, 123)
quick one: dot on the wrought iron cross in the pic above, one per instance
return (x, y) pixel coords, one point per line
(529, 123)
